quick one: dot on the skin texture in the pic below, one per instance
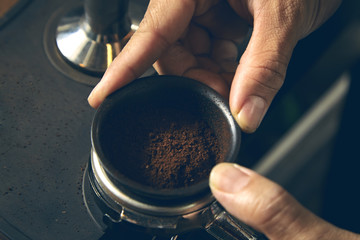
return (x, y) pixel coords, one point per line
(267, 207)
(198, 39)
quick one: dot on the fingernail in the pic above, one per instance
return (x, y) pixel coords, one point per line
(90, 95)
(228, 178)
(90, 98)
(93, 99)
(252, 113)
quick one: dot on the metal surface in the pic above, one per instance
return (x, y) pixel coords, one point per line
(118, 196)
(90, 40)
(81, 48)
(53, 53)
(221, 225)
(205, 213)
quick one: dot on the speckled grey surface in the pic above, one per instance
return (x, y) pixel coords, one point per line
(44, 135)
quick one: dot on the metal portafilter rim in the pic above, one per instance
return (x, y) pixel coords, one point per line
(131, 194)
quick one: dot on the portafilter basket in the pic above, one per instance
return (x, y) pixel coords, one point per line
(170, 211)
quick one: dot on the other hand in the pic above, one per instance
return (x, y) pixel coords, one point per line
(267, 207)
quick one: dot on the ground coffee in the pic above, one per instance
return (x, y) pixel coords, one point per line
(165, 148)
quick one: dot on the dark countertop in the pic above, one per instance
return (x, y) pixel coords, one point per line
(45, 134)
(45, 125)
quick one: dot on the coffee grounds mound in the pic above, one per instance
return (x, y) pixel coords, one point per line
(167, 149)
(179, 156)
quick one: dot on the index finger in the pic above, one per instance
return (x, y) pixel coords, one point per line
(163, 23)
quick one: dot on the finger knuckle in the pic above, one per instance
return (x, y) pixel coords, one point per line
(271, 75)
(274, 209)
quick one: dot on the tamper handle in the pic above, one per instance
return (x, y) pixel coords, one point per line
(221, 225)
(107, 16)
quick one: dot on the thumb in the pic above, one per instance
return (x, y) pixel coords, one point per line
(264, 205)
(261, 71)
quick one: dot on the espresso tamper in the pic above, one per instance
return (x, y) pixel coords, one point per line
(91, 40)
(81, 39)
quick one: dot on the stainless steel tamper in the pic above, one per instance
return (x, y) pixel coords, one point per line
(89, 38)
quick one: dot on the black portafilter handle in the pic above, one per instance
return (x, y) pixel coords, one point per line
(107, 17)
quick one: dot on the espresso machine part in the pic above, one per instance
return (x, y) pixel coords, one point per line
(110, 207)
(113, 198)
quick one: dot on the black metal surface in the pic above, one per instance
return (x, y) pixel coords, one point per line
(45, 129)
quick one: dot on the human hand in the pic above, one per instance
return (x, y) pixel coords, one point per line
(267, 207)
(198, 39)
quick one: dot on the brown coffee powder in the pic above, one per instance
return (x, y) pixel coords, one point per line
(166, 149)
(179, 156)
